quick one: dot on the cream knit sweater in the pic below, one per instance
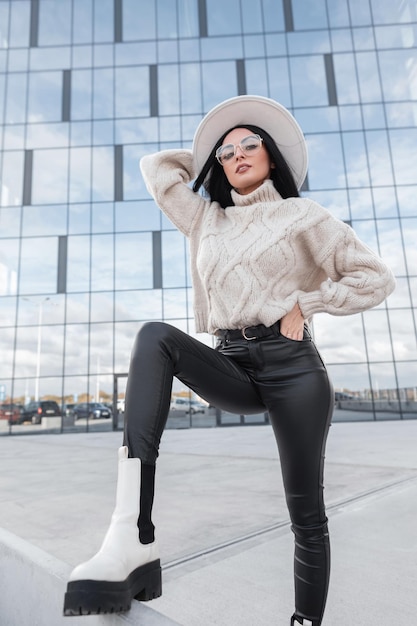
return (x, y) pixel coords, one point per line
(252, 261)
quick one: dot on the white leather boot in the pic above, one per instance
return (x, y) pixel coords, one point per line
(304, 622)
(123, 568)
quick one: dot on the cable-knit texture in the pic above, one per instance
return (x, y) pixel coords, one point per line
(253, 261)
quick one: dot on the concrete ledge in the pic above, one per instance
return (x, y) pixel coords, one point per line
(33, 584)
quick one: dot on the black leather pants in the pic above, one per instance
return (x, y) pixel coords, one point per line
(286, 378)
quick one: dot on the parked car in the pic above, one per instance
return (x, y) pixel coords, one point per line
(11, 413)
(92, 410)
(189, 406)
(35, 411)
(68, 409)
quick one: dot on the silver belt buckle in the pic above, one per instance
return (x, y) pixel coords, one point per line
(243, 331)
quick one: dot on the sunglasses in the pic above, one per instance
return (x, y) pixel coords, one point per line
(248, 146)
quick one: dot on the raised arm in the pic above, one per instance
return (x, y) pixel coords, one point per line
(167, 175)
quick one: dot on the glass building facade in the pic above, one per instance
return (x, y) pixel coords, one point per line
(89, 86)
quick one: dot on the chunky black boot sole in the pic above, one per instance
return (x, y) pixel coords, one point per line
(95, 597)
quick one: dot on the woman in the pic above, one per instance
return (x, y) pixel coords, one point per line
(263, 262)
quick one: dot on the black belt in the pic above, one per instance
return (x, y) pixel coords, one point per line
(249, 332)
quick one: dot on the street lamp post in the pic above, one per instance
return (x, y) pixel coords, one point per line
(39, 345)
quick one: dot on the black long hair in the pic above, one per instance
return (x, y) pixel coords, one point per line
(213, 179)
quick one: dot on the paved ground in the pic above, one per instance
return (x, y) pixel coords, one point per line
(222, 522)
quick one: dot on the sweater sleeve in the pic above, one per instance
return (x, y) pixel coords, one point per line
(357, 278)
(167, 175)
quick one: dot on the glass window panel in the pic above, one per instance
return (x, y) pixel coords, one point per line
(45, 96)
(103, 217)
(175, 303)
(103, 20)
(309, 14)
(188, 24)
(47, 135)
(385, 11)
(54, 22)
(401, 114)
(366, 231)
(383, 384)
(50, 176)
(133, 183)
(53, 310)
(279, 81)
(406, 200)
(3, 91)
(103, 89)
(407, 376)
(403, 335)
(18, 60)
(254, 46)
(273, 13)
(167, 52)
(9, 254)
(16, 98)
(138, 21)
(103, 55)
(170, 128)
(338, 13)
(49, 58)
(81, 133)
(315, 42)
(7, 352)
(403, 147)
(144, 304)
(221, 48)
(330, 334)
(82, 21)
(102, 307)
(326, 167)
(38, 265)
(103, 133)
(189, 50)
(190, 86)
(318, 120)
(167, 19)
(77, 307)
(76, 353)
(398, 73)
(173, 259)
(12, 178)
(103, 173)
(44, 220)
(256, 77)
(82, 56)
(378, 155)
(341, 39)
(14, 137)
(81, 94)
(134, 264)
(102, 262)
(377, 335)
(363, 38)
(308, 80)
(350, 117)
(368, 73)
(413, 290)
(360, 14)
(44, 356)
(7, 310)
(9, 222)
(385, 202)
(19, 24)
(80, 175)
(361, 203)
(395, 36)
(78, 263)
(409, 230)
(132, 91)
(346, 79)
(130, 216)
(79, 219)
(252, 21)
(223, 18)
(400, 297)
(136, 130)
(390, 245)
(129, 53)
(276, 45)
(373, 116)
(4, 24)
(335, 201)
(168, 90)
(124, 336)
(356, 161)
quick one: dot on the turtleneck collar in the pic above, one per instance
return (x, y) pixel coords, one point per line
(264, 193)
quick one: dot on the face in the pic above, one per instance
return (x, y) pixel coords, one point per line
(246, 171)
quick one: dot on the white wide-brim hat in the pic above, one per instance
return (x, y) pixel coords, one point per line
(269, 115)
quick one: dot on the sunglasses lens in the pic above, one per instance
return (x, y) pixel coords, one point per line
(250, 144)
(225, 153)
